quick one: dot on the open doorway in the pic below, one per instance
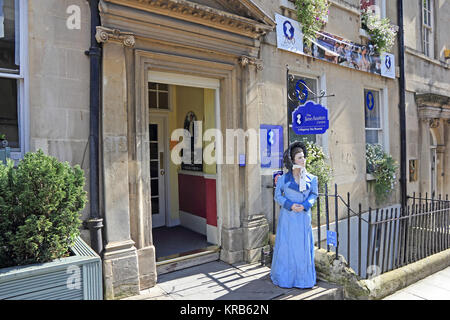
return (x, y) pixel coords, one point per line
(183, 196)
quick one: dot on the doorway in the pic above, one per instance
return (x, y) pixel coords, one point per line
(183, 196)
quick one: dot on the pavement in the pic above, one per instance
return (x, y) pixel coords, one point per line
(218, 280)
(434, 287)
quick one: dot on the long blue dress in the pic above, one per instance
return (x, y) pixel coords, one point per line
(293, 257)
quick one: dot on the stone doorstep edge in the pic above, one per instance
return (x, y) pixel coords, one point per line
(392, 281)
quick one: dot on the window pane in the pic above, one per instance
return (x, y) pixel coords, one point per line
(163, 87)
(372, 136)
(152, 85)
(163, 100)
(154, 151)
(9, 34)
(154, 187)
(372, 109)
(152, 100)
(155, 205)
(153, 169)
(153, 132)
(8, 111)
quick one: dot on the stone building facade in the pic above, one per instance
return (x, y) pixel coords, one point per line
(167, 63)
(427, 96)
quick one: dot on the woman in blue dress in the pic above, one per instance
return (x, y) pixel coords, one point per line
(296, 192)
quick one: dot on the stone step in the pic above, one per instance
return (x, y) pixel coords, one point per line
(322, 291)
(186, 261)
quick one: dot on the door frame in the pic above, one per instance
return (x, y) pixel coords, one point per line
(180, 79)
(162, 118)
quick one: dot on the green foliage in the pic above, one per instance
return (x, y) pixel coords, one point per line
(312, 15)
(2, 136)
(316, 164)
(40, 204)
(383, 167)
(382, 33)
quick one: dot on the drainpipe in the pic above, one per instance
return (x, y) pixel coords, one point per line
(95, 222)
(402, 103)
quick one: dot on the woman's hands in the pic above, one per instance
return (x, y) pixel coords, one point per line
(297, 207)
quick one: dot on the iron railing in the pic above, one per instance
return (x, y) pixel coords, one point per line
(381, 240)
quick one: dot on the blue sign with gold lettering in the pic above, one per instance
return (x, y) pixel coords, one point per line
(310, 118)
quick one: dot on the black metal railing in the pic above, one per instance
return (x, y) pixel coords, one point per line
(381, 240)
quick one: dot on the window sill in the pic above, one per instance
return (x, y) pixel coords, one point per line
(363, 34)
(370, 177)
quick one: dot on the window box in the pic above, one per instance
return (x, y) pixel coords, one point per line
(78, 277)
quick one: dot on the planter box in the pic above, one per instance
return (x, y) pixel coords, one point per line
(78, 277)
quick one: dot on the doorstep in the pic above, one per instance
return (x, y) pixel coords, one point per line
(187, 259)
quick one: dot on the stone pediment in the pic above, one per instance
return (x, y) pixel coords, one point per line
(238, 16)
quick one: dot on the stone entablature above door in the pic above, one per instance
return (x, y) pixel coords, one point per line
(433, 106)
(238, 17)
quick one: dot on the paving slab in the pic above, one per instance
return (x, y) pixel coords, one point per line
(433, 287)
(221, 281)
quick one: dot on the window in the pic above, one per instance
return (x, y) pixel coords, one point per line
(12, 75)
(158, 96)
(427, 27)
(373, 117)
(299, 95)
(376, 6)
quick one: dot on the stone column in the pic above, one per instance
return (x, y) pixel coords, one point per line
(121, 272)
(228, 183)
(255, 225)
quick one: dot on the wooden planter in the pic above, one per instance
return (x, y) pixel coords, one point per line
(78, 277)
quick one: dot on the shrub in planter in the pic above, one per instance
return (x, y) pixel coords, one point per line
(40, 205)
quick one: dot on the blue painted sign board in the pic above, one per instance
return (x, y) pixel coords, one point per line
(331, 238)
(310, 118)
(271, 146)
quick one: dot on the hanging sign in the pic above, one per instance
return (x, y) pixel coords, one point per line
(289, 34)
(310, 118)
(271, 146)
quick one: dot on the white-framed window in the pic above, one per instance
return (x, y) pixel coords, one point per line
(376, 6)
(427, 28)
(158, 96)
(13, 75)
(376, 117)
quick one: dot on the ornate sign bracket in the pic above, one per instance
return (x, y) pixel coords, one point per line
(302, 94)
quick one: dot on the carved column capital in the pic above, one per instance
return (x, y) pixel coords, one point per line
(434, 123)
(245, 61)
(105, 34)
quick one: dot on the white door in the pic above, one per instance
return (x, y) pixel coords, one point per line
(158, 170)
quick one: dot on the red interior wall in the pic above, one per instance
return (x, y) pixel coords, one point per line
(197, 196)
